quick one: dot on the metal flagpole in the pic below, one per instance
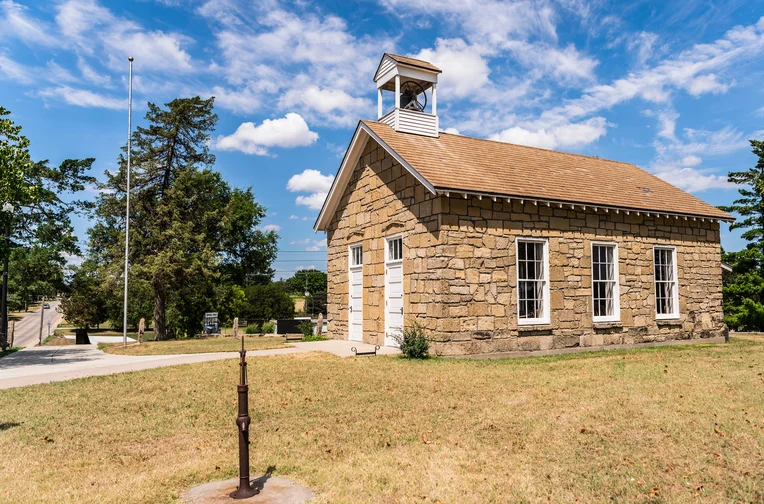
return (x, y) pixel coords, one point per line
(127, 192)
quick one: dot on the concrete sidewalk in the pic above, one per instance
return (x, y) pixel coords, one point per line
(58, 363)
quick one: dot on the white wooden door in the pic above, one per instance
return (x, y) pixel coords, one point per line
(393, 290)
(355, 308)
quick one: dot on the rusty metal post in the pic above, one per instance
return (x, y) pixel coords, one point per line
(245, 489)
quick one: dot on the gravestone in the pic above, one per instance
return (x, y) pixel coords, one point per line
(141, 330)
(236, 328)
(320, 324)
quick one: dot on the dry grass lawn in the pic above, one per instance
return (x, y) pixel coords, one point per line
(193, 345)
(669, 424)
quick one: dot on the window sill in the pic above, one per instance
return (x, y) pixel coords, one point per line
(541, 326)
(669, 321)
(607, 324)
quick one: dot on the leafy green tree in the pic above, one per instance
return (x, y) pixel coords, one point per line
(266, 302)
(34, 272)
(312, 280)
(743, 290)
(86, 304)
(41, 197)
(193, 235)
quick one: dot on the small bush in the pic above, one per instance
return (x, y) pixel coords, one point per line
(413, 341)
(252, 329)
(268, 327)
(306, 329)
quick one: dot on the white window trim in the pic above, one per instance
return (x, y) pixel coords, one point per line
(388, 239)
(676, 314)
(545, 320)
(388, 262)
(616, 316)
(350, 255)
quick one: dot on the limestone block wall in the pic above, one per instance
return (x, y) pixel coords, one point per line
(382, 199)
(460, 273)
(479, 301)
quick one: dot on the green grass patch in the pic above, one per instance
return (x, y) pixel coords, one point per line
(9, 351)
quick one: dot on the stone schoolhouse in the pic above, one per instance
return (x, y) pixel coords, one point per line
(497, 247)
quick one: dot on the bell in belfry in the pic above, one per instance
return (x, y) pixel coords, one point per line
(410, 96)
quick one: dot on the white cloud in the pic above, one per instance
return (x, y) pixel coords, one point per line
(16, 71)
(566, 64)
(690, 160)
(306, 241)
(667, 120)
(310, 181)
(485, 21)
(271, 227)
(314, 201)
(95, 30)
(565, 135)
(293, 217)
(464, 69)
(14, 22)
(333, 106)
(304, 62)
(642, 46)
(312, 248)
(693, 180)
(707, 84)
(83, 98)
(289, 131)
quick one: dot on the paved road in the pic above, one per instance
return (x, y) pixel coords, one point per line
(58, 363)
(27, 333)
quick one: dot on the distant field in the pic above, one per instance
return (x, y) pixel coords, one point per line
(664, 424)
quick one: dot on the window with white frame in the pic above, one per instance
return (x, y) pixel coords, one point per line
(666, 288)
(394, 249)
(605, 292)
(532, 282)
(356, 256)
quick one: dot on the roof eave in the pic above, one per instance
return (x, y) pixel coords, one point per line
(573, 203)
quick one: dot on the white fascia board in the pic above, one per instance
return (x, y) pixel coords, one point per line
(349, 161)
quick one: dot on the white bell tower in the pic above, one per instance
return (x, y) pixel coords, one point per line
(410, 79)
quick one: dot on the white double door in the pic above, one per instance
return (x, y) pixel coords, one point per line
(355, 316)
(393, 302)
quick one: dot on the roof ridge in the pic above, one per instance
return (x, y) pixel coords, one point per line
(541, 149)
(523, 146)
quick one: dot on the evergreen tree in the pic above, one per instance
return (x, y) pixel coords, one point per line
(192, 233)
(751, 203)
(743, 290)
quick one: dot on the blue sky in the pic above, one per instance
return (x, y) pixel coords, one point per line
(672, 86)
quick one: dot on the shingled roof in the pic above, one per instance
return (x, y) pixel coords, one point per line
(455, 163)
(405, 60)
